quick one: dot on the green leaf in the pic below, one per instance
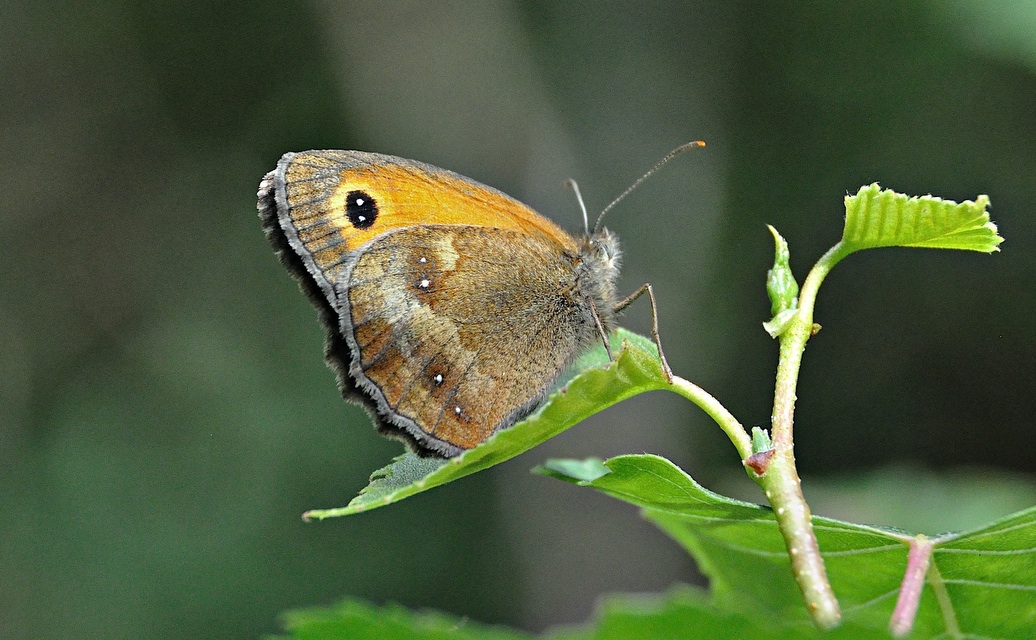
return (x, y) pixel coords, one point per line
(589, 469)
(982, 583)
(876, 217)
(684, 613)
(688, 613)
(598, 385)
(355, 620)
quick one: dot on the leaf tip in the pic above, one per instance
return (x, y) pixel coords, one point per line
(576, 471)
(877, 217)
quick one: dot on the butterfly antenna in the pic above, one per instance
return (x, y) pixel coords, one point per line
(571, 184)
(669, 156)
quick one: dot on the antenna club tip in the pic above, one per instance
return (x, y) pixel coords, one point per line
(687, 146)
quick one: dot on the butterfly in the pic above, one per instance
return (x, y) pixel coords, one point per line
(451, 309)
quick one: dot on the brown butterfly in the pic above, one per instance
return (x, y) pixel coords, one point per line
(451, 308)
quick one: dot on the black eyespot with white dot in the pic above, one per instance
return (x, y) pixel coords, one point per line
(361, 209)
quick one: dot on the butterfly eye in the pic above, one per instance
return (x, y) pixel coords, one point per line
(361, 209)
(600, 249)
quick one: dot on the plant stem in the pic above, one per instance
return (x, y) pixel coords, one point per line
(780, 482)
(782, 487)
(725, 420)
(918, 560)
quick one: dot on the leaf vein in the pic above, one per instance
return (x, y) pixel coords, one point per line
(990, 585)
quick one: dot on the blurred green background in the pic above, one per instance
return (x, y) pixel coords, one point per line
(165, 413)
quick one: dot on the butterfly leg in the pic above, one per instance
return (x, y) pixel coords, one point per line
(646, 288)
(600, 330)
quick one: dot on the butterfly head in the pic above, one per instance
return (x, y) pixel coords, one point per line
(600, 258)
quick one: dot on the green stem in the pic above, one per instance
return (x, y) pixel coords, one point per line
(780, 481)
(725, 420)
(779, 478)
(793, 344)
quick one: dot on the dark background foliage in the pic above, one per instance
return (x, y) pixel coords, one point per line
(165, 415)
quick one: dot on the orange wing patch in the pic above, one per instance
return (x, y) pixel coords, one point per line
(319, 185)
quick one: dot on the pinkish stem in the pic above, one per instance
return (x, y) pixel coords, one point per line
(918, 560)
